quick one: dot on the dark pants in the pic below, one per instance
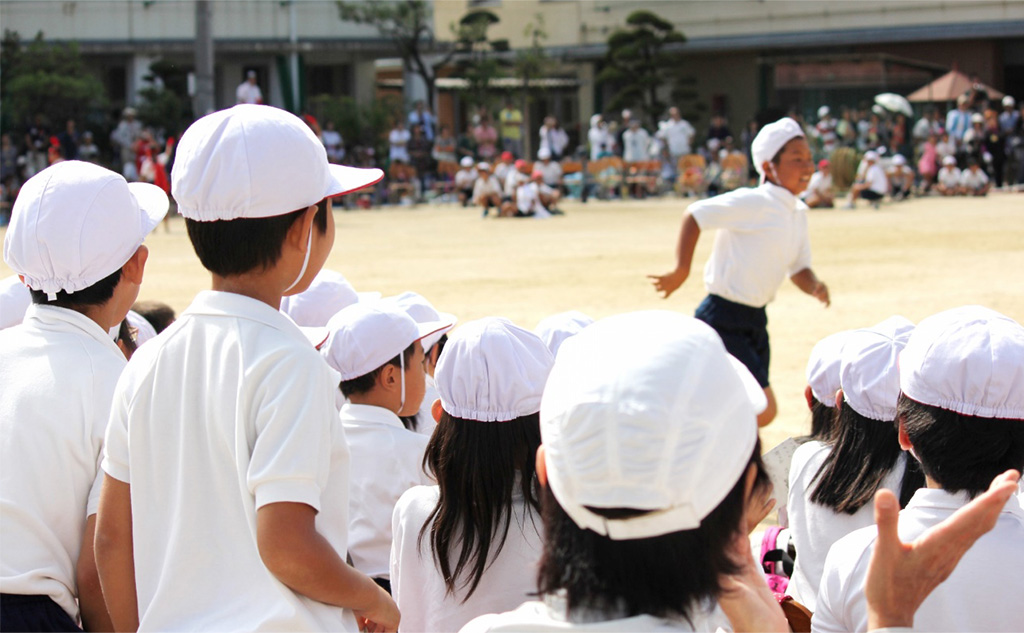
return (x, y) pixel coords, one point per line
(743, 329)
(33, 613)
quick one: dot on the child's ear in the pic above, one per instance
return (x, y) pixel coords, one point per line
(809, 396)
(435, 410)
(542, 467)
(388, 377)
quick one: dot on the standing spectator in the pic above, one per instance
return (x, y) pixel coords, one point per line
(601, 141)
(826, 131)
(486, 137)
(1009, 117)
(863, 131)
(444, 146)
(553, 138)
(333, 143)
(846, 129)
(972, 143)
(419, 157)
(926, 126)
(69, 140)
(37, 142)
(422, 117)
(8, 162)
(465, 144)
(719, 128)
(958, 121)
(398, 140)
(898, 135)
(249, 91)
(928, 164)
(627, 116)
(510, 120)
(635, 142)
(124, 138)
(678, 135)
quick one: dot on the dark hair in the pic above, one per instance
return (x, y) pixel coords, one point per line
(233, 247)
(864, 452)
(962, 453)
(664, 576)
(823, 421)
(363, 384)
(479, 467)
(94, 295)
(159, 314)
(412, 422)
(126, 337)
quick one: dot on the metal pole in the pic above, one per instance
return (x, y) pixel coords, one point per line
(204, 101)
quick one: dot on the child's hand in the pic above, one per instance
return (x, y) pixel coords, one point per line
(746, 599)
(821, 294)
(669, 282)
(381, 619)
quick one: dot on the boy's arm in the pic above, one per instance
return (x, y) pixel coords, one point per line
(90, 595)
(115, 559)
(688, 236)
(807, 281)
(301, 558)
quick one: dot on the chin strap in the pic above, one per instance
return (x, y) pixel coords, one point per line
(305, 262)
(401, 363)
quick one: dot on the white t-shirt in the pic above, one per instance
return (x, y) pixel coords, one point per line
(761, 240)
(982, 594)
(550, 615)
(528, 200)
(58, 370)
(552, 172)
(387, 460)
(416, 581)
(634, 144)
(820, 184)
(816, 528)
(486, 187)
(973, 179)
(876, 180)
(513, 180)
(248, 93)
(679, 136)
(501, 170)
(229, 410)
(399, 140)
(464, 178)
(949, 177)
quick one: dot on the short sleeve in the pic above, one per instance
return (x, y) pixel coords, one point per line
(295, 420)
(732, 210)
(841, 603)
(115, 446)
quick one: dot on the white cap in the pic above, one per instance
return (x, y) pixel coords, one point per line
(977, 118)
(647, 411)
(870, 155)
(966, 360)
(327, 295)
(823, 111)
(14, 301)
(555, 329)
(421, 311)
(256, 161)
(869, 372)
(823, 367)
(483, 166)
(467, 161)
(492, 370)
(543, 154)
(144, 330)
(772, 138)
(364, 337)
(898, 159)
(949, 160)
(75, 223)
(1009, 101)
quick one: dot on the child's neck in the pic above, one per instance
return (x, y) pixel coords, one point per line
(262, 286)
(373, 399)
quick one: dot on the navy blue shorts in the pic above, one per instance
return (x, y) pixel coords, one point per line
(33, 613)
(743, 329)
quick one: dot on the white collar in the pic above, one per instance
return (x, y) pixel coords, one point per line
(370, 415)
(783, 195)
(53, 316)
(230, 304)
(943, 500)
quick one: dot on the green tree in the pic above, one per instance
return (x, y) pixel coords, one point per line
(477, 62)
(46, 79)
(637, 65)
(161, 105)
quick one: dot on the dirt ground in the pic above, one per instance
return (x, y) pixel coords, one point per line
(912, 258)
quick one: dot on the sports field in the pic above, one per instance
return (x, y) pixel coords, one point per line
(912, 258)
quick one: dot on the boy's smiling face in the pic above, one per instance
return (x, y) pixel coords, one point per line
(795, 167)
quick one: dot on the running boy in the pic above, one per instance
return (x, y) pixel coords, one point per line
(762, 239)
(76, 241)
(225, 502)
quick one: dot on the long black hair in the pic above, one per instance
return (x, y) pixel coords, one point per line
(666, 576)
(864, 452)
(479, 467)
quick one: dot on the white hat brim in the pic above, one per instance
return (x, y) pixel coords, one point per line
(152, 200)
(346, 179)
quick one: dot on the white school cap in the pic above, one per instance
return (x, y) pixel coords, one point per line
(869, 372)
(1009, 101)
(483, 166)
(967, 360)
(543, 154)
(823, 112)
(14, 301)
(647, 411)
(329, 293)
(492, 370)
(256, 161)
(467, 161)
(555, 329)
(423, 312)
(75, 223)
(144, 330)
(365, 336)
(823, 367)
(899, 159)
(870, 155)
(949, 160)
(772, 138)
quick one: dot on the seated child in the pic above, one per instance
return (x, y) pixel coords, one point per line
(377, 351)
(872, 186)
(487, 192)
(329, 294)
(973, 180)
(465, 179)
(557, 328)
(949, 177)
(530, 198)
(901, 177)
(819, 191)
(823, 384)
(158, 313)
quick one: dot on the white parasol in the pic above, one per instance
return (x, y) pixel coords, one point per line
(894, 103)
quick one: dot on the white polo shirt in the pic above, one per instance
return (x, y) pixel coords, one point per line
(58, 370)
(982, 594)
(486, 186)
(876, 180)
(528, 200)
(550, 615)
(816, 528)
(464, 178)
(552, 172)
(679, 136)
(949, 177)
(416, 581)
(387, 460)
(229, 410)
(513, 180)
(973, 179)
(761, 240)
(821, 184)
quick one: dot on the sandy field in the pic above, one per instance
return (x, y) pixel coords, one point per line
(912, 258)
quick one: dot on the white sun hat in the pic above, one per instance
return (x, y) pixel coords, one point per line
(647, 411)
(75, 223)
(467, 162)
(967, 360)
(823, 367)
(555, 329)
(256, 161)
(772, 138)
(492, 370)
(869, 371)
(327, 295)
(144, 330)
(422, 311)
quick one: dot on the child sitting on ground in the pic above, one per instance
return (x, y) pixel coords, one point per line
(465, 179)
(949, 177)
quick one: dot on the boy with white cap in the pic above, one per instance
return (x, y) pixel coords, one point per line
(961, 414)
(75, 239)
(465, 178)
(487, 191)
(872, 186)
(974, 180)
(225, 502)
(377, 351)
(762, 239)
(532, 198)
(949, 177)
(557, 328)
(901, 177)
(329, 293)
